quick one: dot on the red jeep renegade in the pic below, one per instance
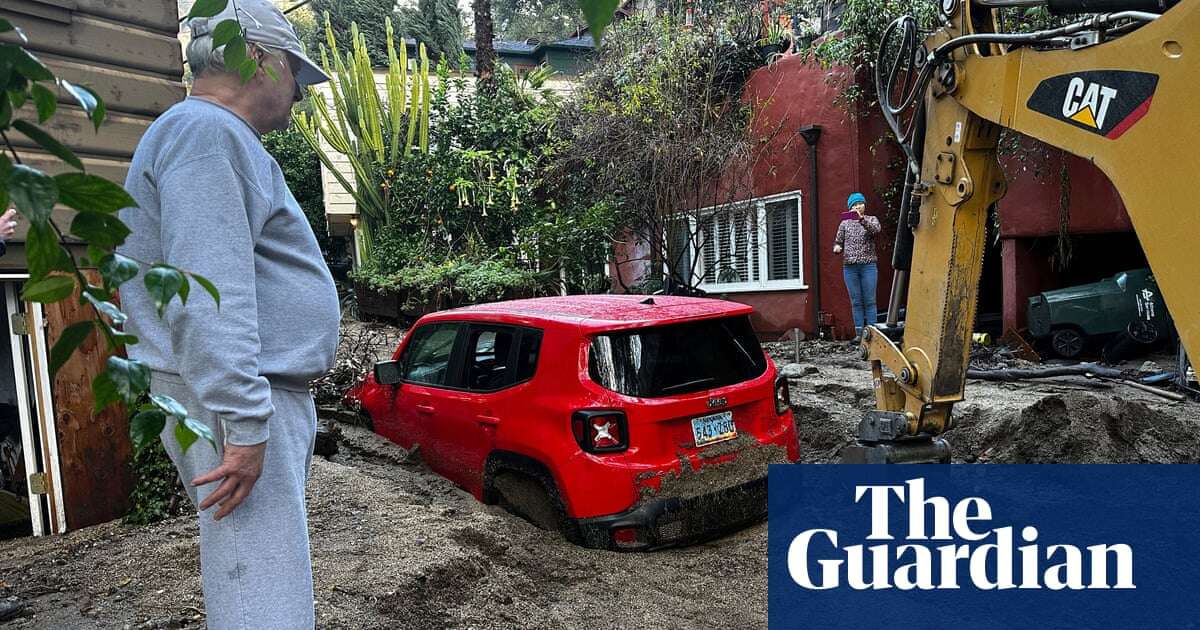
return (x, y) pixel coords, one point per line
(627, 422)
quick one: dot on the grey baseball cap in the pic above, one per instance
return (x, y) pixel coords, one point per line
(263, 23)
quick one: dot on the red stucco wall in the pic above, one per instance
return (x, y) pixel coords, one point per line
(1032, 205)
(855, 155)
(787, 96)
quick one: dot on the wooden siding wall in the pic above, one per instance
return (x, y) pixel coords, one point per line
(125, 50)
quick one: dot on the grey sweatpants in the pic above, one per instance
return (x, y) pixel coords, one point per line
(255, 563)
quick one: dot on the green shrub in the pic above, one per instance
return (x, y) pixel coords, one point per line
(157, 493)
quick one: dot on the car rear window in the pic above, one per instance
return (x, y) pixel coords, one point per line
(676, 359)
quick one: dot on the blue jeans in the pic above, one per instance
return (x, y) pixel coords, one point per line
(860, 284)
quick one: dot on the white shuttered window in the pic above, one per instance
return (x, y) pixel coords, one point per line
(756, 245)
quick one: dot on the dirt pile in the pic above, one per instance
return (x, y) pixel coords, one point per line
(1078, 428)
(1045, 421)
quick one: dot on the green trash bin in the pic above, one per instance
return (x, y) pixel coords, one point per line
(1128, 303)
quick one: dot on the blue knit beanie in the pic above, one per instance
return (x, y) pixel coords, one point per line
(855, 198)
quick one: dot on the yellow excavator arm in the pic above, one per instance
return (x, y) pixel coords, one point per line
(1121, 89)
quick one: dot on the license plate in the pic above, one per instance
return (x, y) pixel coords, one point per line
(714, 428)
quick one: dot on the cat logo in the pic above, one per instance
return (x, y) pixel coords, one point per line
(1087, 103)
(1104, 102)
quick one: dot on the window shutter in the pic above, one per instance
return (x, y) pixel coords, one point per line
(679, 248)
(783, 233)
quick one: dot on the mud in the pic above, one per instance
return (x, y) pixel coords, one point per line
(749, 464)
(1079, 428)
(1066, 420)
(395, 546)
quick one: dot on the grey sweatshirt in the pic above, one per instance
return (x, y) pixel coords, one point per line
(211, 200)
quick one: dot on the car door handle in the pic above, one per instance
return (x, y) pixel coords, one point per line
(488, 420)
(425, 409)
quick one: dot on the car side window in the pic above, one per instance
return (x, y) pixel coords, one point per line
(488, 351)
(427, 357)
(527, 355)
(500, 356)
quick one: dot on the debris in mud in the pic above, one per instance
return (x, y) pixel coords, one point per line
(749, 462)
(363, 441)
(326, 443)
(797, 370)
(360, 345)
(12, 608)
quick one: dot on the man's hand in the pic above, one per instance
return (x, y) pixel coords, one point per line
(240, 469)
(8, 224)
(837, 249)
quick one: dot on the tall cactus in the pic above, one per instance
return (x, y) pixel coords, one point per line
(366, 123)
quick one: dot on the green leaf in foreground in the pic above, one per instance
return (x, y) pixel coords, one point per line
(598, 13)
(67, 343)
(201, 429)
(33, 192)
(206, 8)
(47, 142)
(117, 269)
(44, 99)
(162, 283)
(184, 436)
(104, 390)
(145, 427)
(208, 286)
(47, 290)
(169, 405)
(90, 193)
(131, 378)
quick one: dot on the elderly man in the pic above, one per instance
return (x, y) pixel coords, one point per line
(212, 201)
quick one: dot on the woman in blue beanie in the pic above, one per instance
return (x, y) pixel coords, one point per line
(856, 242)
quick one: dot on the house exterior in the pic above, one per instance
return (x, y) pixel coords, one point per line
(77, 462)
(774, 251)
(790, 274)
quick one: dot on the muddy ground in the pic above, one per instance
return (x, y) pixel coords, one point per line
(397, 547)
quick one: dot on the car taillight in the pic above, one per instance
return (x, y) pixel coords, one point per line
(783, 396)
(600, 431)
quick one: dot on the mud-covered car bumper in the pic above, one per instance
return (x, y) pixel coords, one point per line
(672, 521)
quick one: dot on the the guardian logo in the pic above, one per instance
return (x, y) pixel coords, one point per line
(949, 546)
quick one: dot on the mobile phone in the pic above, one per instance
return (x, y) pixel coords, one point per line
(850, 215)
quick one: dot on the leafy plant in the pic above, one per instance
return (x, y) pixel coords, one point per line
(376, 132)
(660, 128)
(432, 286)
(777, 35)
(157, 493)
(856, 44)
(438, 24)
(369, 16)
(545, 20)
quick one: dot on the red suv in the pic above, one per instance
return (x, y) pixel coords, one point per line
(626, 422)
